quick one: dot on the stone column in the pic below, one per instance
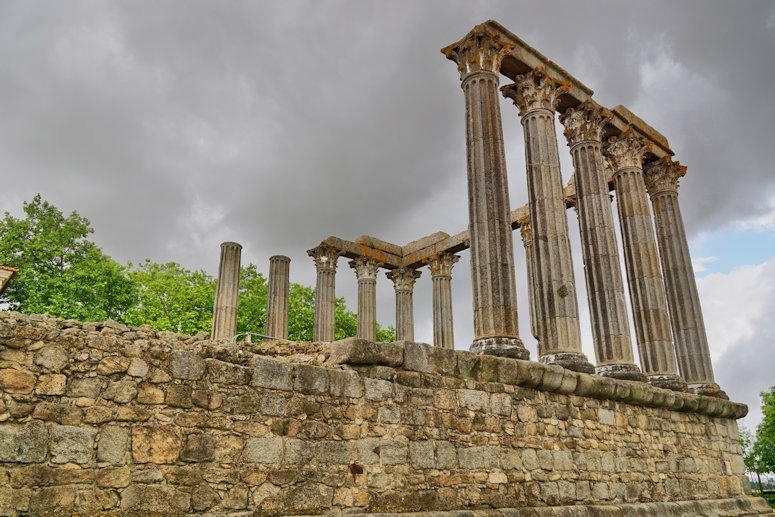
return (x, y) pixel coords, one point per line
(683, 301)
(366, 271)
(277, 297)
(496, 327)
(325, 258)
(227, 292)
(527, 242)
(535, 94)
(403, 282)
(603, 274)
(441, 274)
(644, 278)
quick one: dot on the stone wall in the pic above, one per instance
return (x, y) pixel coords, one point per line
(103, 418)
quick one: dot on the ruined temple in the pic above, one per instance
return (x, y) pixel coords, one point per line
(108, 419)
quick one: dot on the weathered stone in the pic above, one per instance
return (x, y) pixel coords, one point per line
(14, 500)
(186, 365)
(271, 373)
(122, 392)
(23, 443)
(311, 379)
(179, 395)
(273, 404)
(203, 498)
(52, 357)
(150, 394)
(345, 383)
(113, 477)
(418, 357)
(70, 444)
(163, 499)
(377, 389)
(113, 444)
(137, 368)
(60, 413)
(88, 387)
(198, 448)
(60, 497)
(263, 450)
(207, 399)
(16, 381)
(113, 364)
(220, 372)
(53, 384)
(155, 444)
(360, 351)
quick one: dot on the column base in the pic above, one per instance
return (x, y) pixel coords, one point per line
(575, 361)
(501, 346)
(625, 372)
(708, 389)
(667, 381)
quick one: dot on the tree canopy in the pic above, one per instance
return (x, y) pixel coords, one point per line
(63, 274)
(759, 448)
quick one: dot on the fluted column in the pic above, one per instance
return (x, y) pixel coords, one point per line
(603, 274)
(441, 274)
(527, 242)
(403, 282)
(535, 94)
(366, 271)
(496, 327)
(277, 297)
(227, 292)
(683, 301)
(644, 278)
(325, 258)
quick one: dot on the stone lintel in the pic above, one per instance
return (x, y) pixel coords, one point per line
(523, 58)
(423, 358)
(353, 250)
(458, 242)
(624, 118)
(424, 242)
(380, 245)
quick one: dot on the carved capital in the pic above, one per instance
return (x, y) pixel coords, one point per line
(365, 269)
(585, 122)
(663, 175)
(441, 264)
(535, 90)
(525, 230)
(325, 257)
(480, 51)
(404, 278)
(626, 150)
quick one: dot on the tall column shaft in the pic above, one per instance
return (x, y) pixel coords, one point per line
(441, 274)
(403, 282)
(691, 341)
(277, 297)
(644, 278)
(496, 328)
(558, 326)
(527, 241)
(227, 292)
(600, 252)
(366, 271)
(325, 259)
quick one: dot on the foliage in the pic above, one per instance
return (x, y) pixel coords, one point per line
(61, 272)
(172, 298)
(746, 444)
(764, 447)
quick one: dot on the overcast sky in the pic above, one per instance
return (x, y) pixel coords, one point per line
(176, 125)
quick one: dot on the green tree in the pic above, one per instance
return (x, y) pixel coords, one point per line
(251, 311)
(764, 447)
(172, 298)
(61, 272)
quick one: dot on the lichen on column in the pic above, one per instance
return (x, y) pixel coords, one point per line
(366, 271)
(227, 292)
(403, 282)
(536, 95)
(325, 258)
(496, 328)
(277, 297)
(441, 266)
(683, 300)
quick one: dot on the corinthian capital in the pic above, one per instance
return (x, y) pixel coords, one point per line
(404, 278)
(585, 122)
(535, 90)
(441, 264)
(525, 230)
(663, 175)
(325, 257)
(481, 50)
(365, 269)
(625, 150)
